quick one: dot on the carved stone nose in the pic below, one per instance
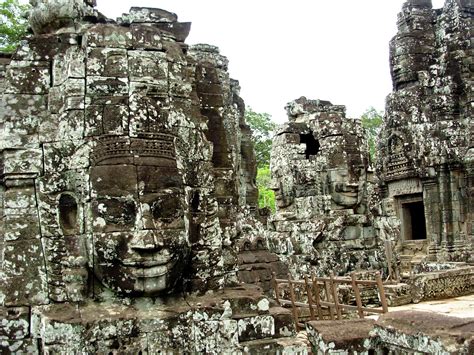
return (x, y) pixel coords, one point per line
(145, 240)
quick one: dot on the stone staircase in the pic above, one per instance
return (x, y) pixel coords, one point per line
(269, 334)
(412, 253)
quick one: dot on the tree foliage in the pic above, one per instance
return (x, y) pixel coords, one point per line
(372, 121)
(266, 196)
(13, 24)
(262, 127)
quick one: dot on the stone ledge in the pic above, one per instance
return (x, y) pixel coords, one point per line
(426, 332)
(350, 335)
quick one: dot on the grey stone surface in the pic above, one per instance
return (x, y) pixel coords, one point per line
(128, 198)
(323, 186)
(425, 332)
(125, 163)
(426, 139)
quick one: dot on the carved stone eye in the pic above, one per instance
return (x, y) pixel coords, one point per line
(68, 214)
(167, 208)
(118, 211)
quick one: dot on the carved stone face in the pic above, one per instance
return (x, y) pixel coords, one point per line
(140, 238)
(343, 187)
(283, 186)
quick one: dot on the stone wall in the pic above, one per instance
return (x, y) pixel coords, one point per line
(125, 163)
(324, 192)
(233, 320)
(426, 140)
(423, 332)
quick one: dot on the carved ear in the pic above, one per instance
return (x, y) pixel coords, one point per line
(67, 211)
(244, 245)
(259, 244)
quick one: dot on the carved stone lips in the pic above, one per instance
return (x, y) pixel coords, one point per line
(349, 193)
(146, 268)
(146, 263)
(155, 271)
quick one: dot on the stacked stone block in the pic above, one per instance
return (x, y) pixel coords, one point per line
(426, 138)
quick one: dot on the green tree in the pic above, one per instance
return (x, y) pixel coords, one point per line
(372, 121)
(262, 128)
(266, 196)
(13, 24)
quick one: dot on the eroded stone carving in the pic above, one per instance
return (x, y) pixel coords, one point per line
(48, 16)
(321, 177)
(427, 132)
(125, 163)
(119, 152)
(139, 235)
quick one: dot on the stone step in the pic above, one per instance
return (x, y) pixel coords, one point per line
(277, 322)
(287, 345)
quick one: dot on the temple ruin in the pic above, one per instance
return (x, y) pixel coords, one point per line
(425, 164)
(322, 182)
(129, 209)
(125, 164)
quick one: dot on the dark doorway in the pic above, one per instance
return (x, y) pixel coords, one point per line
(414, 224)
(68, 214)
(418, 225)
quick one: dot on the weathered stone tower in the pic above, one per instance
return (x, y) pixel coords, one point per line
(322, 182)
(426, 144)
(125, 163)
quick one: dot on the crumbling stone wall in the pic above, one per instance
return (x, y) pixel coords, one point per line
(426, 141)
(423, 332)
(322, 182)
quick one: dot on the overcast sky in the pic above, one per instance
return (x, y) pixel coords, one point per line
(334, 50)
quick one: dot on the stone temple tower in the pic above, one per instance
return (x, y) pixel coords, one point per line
(426, 144)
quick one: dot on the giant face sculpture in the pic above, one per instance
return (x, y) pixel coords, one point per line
(139, 236)
(343, 187)
(282, 185)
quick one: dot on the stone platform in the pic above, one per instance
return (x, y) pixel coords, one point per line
(435, 327)
(425, 332)
(234, 320)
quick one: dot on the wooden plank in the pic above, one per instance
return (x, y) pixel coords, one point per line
(335, 296)
(295, 282)
(364, 309)
(309, 293)
(327, 305)
(330, 287)
(367, 282)
(355, 287)
(328, 298)
(322, 280)
(293, 306)
(317, 297)
(383, 300)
